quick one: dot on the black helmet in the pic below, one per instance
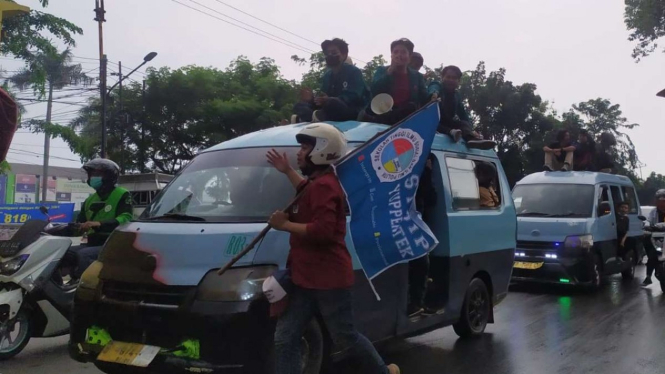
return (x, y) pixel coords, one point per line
(110, 169)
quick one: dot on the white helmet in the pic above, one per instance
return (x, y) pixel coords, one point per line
(329, 143)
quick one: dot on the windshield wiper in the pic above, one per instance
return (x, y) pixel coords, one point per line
(176, 216)
(534, 214)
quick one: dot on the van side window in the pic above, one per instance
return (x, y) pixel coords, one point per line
(474, 184)
(616, 195)
(630, 198)
(604, 194)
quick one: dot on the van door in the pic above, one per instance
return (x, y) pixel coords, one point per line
(605, 231)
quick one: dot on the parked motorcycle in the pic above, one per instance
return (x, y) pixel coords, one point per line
(34, 300)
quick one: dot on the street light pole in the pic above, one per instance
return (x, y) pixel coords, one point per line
(99, 17)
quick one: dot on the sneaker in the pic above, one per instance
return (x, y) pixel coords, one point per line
(394, 369)
(647, 282)
(413, 310)
(318, 116)
(430, 311)
(566, 167)
(294, 118)
(456, 135)
(547, 168)
(481, 144)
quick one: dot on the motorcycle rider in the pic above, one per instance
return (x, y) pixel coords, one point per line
(655, 217)
(106, 209)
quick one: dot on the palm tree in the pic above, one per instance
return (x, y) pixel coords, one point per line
(48, 72)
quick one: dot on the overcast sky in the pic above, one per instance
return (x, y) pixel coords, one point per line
(573, 50)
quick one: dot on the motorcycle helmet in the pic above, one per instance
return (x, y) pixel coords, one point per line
(110, 170)
(328, 142)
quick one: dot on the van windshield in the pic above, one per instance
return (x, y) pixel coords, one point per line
(554, 200)
(236, 185)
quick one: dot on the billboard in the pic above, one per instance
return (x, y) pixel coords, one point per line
(25, 189)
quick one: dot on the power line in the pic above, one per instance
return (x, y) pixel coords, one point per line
(37, 145)
(241, 27)
(39, 155)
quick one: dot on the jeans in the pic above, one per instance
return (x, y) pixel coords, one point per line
(553, 162)
(418, 271)
(445, 126)
(652, 256)
(333, 110)
(335, 306)
(85, 256)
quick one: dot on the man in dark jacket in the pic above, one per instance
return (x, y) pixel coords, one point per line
(585, 152)
(405, 85)
(455, 120)
(343, 91)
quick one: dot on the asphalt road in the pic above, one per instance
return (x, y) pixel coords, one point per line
(538, 329)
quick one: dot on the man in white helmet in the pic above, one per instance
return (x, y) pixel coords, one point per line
(319, 262)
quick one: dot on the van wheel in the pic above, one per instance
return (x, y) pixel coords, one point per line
(475, 310)
(15, 335)
(311, 349)
(630, 272)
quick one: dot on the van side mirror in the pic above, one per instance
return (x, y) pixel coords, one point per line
(642, 218)
(604, 208)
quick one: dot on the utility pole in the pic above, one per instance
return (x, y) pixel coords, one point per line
(121, 120)
(142, 150)
(99, 17)
(47, 142)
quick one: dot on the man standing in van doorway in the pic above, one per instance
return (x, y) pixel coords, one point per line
(319, 262)
(623, 225)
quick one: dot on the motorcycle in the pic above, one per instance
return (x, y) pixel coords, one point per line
(655, 235)
(34, 299)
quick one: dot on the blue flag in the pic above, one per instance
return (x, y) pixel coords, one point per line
(380, 181)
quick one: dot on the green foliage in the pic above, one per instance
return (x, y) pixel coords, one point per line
(28, 35)
(645, 19)
(317, 66)
(647, 190)
(5, 167)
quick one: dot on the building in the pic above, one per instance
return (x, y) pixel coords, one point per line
(22, 185)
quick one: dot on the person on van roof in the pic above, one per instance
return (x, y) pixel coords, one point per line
(343, 90)
(416, 61)
(585, 152)
(559, 155)
(319, 262)
(455, 121)
(405, 85)
(604, 160)
(655, 217)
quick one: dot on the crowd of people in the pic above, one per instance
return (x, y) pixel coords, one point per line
(582, 155)
(344, 95)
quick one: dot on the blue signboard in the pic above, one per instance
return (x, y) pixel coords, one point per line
(380, 182)
(3, 188)
(15, 213)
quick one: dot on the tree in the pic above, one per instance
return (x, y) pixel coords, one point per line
(646, 192)
(186, 110)
(56, 71)
(645, 19)
(317, 66)
(24, 37)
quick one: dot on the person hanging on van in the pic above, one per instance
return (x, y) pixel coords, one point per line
(343, 90)
(455, 120)
(559, 155)
(655, 217)
(623, 226)
(486, 174)
(106, 209)
(405, 85)
(319, 262)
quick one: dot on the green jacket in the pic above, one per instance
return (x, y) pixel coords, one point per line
(353, 90)
(460, 110)
(383, 83)
(115, 208)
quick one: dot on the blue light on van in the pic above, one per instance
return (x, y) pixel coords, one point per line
(557, 244)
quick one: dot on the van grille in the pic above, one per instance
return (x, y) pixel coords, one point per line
(525, 244)
(147, 294)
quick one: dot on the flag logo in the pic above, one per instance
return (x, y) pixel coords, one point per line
(395, 157)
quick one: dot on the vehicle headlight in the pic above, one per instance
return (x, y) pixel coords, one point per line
(12, 266)
(579, 242)
(237, 284)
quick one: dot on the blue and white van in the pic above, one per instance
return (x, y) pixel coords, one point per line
(566, 227)
(155, 288)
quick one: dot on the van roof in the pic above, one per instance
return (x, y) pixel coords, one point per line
(575, 177)
(355, 132)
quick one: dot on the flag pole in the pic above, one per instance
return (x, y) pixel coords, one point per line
(266, 229)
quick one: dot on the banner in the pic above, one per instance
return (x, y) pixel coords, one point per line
(20, 213)
(25, 189)
(380, 182)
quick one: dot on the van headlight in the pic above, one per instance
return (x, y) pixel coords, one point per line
(12, 266)
(236, 284)
(579, 242)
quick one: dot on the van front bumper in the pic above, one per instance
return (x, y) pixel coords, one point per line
(566, 270)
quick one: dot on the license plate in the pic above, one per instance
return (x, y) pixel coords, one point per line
(129, 354)
(527, 265)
